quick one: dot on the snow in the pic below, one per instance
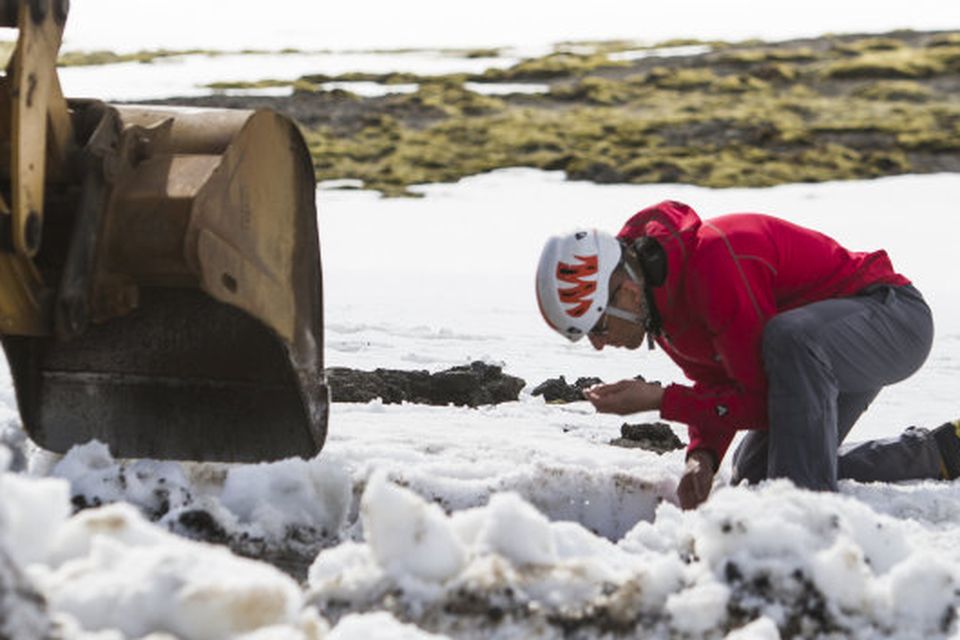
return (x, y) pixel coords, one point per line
(110, 569)
(188, 75)
(417, 510)
(792, 557)
(513, 521)
(407, 535)
(505, 88)
(290, 493)
(370, 89)
(661, 52)
(365, 24)
(373, 37)
(376, 626)
(760, 629)
(487, 232)
(510, 521)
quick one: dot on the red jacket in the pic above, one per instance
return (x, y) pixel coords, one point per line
(726, 277)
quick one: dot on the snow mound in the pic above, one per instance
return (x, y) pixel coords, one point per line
(24, 527)
(23, 612)
(111, 569)
(290, 494)
(754, 563)
(97, 479)
(409, 536)
(286, 509)
(377, 626)
(24, 536)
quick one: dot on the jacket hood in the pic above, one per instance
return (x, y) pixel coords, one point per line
(674, 225)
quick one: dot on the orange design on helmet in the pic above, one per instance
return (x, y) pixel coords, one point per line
(576, 275)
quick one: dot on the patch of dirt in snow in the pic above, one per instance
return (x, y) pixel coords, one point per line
(292, 555)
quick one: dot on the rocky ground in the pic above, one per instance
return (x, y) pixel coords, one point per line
(470, 385)
(740, 114)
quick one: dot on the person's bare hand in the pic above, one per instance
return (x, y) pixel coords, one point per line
(697, 480)
(625, 397)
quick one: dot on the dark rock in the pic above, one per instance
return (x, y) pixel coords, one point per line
(657, 437)
(586, 383)
(475, 384)
(199, 524)
(469, 385)
(557, 389)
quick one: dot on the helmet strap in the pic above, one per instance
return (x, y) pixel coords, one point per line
(650, 319)
(632, 273)
(653, 264)
(623, 314)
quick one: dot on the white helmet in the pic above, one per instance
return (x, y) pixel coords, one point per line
(573, 280)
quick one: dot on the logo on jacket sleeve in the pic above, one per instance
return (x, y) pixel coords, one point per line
(722, 410)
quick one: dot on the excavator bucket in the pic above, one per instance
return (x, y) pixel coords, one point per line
(160, 282)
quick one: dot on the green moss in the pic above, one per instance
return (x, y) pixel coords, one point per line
(949, 56)
(773, 122)
(595, 91)
(898, 63)
(603, 47)
(258, 84)
(449, 96)
(555, 65)
(864, 45)
(895, 90)
(680, 79)
(302, 86)
(745, 166)
(764, 55)
(776, 72)
(92, 58)
(481, 53)
(945, 40)
(683, 42)
(739, 84)
(381, 78)
(943, 138)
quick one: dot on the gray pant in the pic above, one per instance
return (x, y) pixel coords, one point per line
(825, 363)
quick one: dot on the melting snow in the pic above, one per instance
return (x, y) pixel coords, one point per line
(513, 521)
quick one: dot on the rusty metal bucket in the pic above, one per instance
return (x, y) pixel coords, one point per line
(160, 283)
(188, 317)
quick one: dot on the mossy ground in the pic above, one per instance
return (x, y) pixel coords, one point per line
(147, 56)
(747, 114)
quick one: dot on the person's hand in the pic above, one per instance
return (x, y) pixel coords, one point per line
(624, 397)
(697, 480)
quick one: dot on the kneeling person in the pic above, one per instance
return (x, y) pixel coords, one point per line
(781, 330)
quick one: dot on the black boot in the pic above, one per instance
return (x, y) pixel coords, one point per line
(947, 436)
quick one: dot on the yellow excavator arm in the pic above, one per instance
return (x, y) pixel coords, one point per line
(160, 281)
